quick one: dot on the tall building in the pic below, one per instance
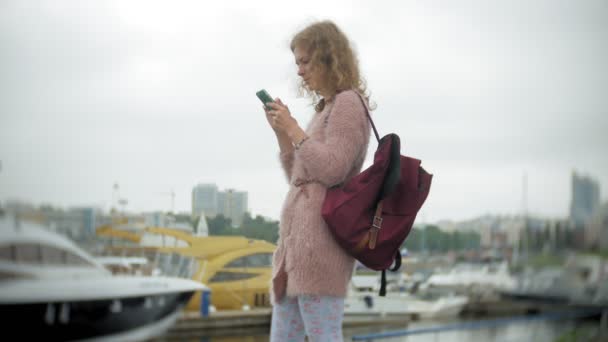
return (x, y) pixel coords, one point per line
(585, 198)
(233, 205)
(208, 201)
(204, 200)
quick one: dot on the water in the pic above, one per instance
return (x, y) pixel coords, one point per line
(536, 331)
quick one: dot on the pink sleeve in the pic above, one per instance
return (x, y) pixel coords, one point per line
(286, 159)
(347, 133)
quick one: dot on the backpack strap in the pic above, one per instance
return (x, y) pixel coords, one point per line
(397, 261)
(369, 116)
(394, 269)
(383, 284)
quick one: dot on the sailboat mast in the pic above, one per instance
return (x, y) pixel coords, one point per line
(525, 213)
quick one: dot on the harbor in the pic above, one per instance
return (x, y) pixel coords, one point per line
(228, 298)
(166, 168)
(257, 322)
(215, 288)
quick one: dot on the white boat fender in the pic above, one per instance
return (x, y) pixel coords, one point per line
(49, 315)
(64, 314)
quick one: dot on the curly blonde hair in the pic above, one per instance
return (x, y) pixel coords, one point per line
(332, 55)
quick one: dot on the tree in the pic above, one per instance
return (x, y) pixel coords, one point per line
(219, 225)
(413, 241)
(253, 228)
(259, 228)
(434, 239)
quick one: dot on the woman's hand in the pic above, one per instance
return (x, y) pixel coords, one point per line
(279, 117)
(284, 125)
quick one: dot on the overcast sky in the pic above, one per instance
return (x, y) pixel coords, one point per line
(159, 96)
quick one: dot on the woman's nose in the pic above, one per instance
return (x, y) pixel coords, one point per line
(300, 72)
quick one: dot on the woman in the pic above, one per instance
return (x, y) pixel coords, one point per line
(311, 272)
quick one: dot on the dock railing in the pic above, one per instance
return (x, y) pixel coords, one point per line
(492, 323)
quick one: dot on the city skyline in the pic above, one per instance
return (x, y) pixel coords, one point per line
(160, 96)
(209, 201)
(576, 177)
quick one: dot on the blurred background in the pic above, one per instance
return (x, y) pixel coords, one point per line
(131, 128)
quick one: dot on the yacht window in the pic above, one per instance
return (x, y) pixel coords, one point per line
(56, 256)
(231, 276)
(5, 275)
(253, 260)
(52, 255)
(260, 260)
(75, 260)
(7, 253)
(237, 263)
(28, 253)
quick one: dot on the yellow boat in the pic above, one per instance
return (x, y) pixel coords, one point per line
(235, 268)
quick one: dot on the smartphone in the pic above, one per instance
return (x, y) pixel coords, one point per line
(264, 97)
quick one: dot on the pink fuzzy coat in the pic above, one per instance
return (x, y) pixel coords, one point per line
(307, 259)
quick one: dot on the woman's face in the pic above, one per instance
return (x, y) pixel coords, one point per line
(309, 74)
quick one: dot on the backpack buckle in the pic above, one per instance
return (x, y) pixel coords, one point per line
(377, 222)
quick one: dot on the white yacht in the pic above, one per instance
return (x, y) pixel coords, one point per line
(404, 304)
(363, 299)
(494, 276)
(581, 280)
(52, 289)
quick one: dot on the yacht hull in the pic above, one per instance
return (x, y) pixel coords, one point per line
(125, 319)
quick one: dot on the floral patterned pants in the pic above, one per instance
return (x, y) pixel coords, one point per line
(318, 317)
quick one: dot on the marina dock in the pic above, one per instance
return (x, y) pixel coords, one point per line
(219, 323)
(222, 323)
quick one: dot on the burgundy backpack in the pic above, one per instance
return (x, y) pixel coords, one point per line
(372, 214)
